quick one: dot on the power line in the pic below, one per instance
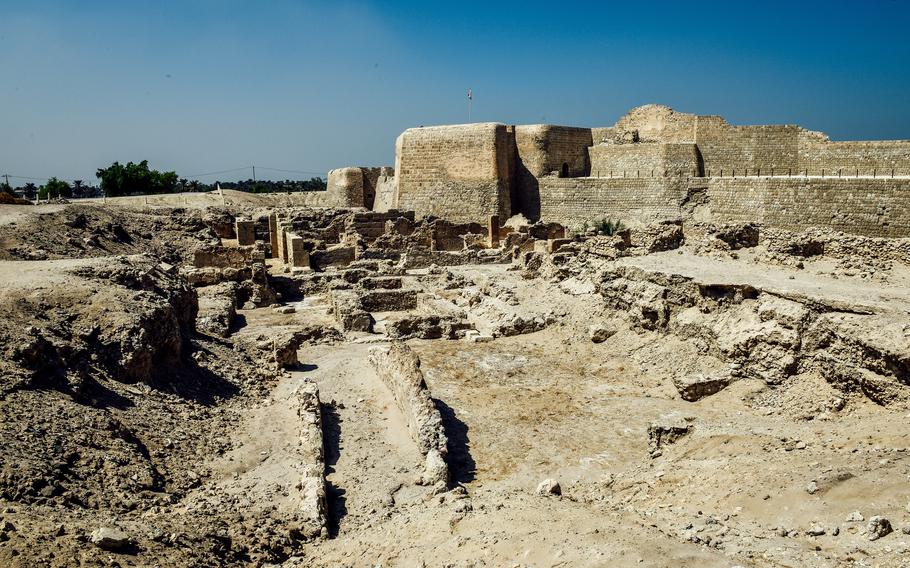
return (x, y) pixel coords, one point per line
(253, 169)
(192, 176)
(219, 172)
(290, 171)
(26, 177)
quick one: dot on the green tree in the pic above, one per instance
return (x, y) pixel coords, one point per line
(55, 188)
(135, 179)
(5, 187)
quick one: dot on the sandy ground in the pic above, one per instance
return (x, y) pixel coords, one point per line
(554, 405)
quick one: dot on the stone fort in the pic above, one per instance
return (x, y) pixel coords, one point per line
(653, 164)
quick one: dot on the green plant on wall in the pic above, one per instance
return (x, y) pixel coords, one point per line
(607, 227)
(610, 227)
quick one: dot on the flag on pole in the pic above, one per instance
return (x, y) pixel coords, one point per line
(470, 95)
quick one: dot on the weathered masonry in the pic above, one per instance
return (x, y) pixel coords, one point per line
(653, 164)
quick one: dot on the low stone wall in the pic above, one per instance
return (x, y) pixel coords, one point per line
(388, 300)
(217, 308)
(222, 257)
(335, 255)
(422, 258)
(311, 520)
(349, 313)
(399, 368)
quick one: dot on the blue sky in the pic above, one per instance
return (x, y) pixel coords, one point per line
(199, 86)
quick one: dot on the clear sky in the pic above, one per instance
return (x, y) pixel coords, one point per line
(204, 85)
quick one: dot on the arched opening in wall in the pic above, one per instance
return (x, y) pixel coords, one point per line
(564, 172)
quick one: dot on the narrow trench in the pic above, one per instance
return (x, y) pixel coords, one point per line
(335, 496)
(368, 449)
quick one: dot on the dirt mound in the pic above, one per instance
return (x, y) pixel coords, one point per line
(80, 231)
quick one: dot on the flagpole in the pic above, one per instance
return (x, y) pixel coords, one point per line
(470, 100)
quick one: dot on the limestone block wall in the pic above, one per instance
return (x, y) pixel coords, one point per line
(572, 201)
(817, 153)
(653, 123)
(544, 148)
(870, 207)
(345, 187)
(644, 159)
(459, 172)
(726, 147)
(399, 368)
(386, 193)
(722, 146)
(370, 180)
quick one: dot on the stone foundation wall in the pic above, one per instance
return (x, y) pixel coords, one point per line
(222, 257)
(399, 368)
(870, 207)
(311, 518)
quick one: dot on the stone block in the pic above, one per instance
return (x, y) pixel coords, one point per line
(494, 231)
(273, 234)
(246, 232)
(299, 256)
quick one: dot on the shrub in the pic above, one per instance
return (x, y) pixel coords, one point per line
(604, 226)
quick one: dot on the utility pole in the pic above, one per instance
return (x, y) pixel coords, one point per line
(254, 173)
(7, 178)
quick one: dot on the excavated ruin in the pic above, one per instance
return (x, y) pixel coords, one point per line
(316, 386)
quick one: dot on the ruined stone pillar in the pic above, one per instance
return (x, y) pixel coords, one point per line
(300, 256)
(246, 232)
(494, 231)
(273, 234)
(283, 229)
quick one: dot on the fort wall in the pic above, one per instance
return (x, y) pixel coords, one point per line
(345, 187)
(870, 207)
(572, 201)
(460, 172)
(641, 169)
(544, 148)
(386, 193)
(817, 153)
(644, 160)
(728, 148)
